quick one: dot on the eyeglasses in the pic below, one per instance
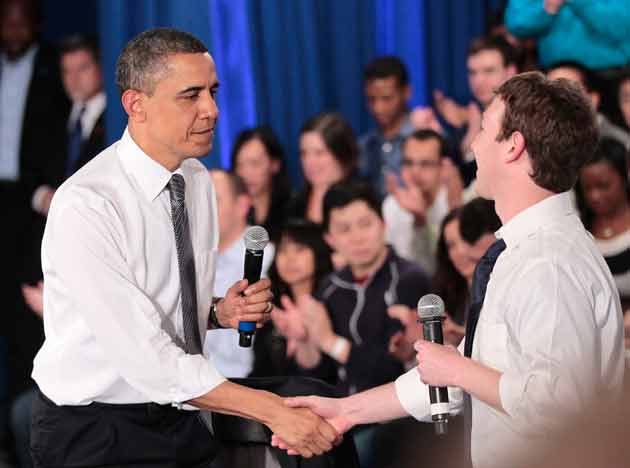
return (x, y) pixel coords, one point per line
(420, 164)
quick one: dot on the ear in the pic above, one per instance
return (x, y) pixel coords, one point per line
(275, 166)
(595, 99)
(516, 147)
(329, 240)
(407, 92)
(512, 70)
(133, 102)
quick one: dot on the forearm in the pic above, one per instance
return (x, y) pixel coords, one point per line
(480, 381)
(230, 398)
(378, 404)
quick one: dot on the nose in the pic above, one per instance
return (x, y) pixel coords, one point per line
(208, 108)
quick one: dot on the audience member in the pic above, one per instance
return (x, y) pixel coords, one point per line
(301, 263)
(347, 326)
(603, 195)
(414, 211)
(490, 63)
(623, 100)
(328, 152)
(387, 91)
(577, 73)
(33, 110)
(83, 83)
(593, 33)
(233, 206)
(258, 158)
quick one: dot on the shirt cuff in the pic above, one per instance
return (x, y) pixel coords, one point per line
(197, 376)
(413, 395)
(38, 198)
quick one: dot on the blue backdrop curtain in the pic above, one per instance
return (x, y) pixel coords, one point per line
(281, 61)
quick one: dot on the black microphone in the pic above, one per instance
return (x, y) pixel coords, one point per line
(256, 238)
(431, 314)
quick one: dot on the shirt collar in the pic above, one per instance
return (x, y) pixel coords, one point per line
(151, 176)
(406, 129)
(543, 213)
(28, 56)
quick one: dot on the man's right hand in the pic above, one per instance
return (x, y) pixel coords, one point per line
(328, 408)
(302, 432)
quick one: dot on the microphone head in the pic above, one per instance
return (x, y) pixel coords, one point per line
(256, 238)
(431, 307)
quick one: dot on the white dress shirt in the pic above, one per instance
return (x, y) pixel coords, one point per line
(94, 107)
(551, 323)
(415, 243)
(222, 345)
(112, 302)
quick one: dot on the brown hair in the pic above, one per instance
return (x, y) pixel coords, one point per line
(558, 123)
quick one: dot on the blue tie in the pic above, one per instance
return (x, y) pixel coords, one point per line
(477, 296)
(75, 139)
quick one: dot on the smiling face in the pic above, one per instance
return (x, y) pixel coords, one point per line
(357, 233)
(295, 262)
(256, 167)
(177, 120)
(486, 72)
(320, 167)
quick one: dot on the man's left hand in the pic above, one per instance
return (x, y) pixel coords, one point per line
(438, 365)
(246, 303)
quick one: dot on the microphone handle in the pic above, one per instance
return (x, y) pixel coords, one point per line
(252, 270)
(438, 396)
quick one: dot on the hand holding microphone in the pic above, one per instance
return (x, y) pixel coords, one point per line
(431, 315)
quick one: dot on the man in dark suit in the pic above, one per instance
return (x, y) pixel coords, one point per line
(83, 82)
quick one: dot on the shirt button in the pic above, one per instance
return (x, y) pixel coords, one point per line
(387, 147)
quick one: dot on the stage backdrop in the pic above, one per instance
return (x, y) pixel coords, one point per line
(281, 61)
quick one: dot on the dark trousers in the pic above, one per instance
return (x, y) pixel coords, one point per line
(138, 435)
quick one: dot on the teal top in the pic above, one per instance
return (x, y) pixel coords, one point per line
(595, 33)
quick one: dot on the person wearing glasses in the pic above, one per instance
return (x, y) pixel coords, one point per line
(414, 210)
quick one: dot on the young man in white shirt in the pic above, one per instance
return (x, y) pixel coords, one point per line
(128, 260)
(549, 339)
(413, 212)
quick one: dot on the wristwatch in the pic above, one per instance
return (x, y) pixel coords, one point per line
(212, 318)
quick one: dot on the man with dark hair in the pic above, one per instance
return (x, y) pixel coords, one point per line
(577, 73)
(490, 62)
(348, 326)
(387, 91)
(413, 212)
(544, 336)
(128, 258)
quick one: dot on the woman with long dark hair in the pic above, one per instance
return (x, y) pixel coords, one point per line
(303, 260)
(258, 159)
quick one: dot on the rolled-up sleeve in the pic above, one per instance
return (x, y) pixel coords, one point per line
(93, 284)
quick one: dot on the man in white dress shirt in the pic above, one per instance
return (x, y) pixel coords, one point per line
(129, 260)
(549, 340)
(233, 204)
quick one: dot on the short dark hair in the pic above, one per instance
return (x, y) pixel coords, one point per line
(309, 234)
(586, 76)
(32, 9)
(237, 185)
(425, 134)
(342, 194)
(141, 64)
(498, 43)
(558, 123)
(338, 137)
(476, 218)
(77, 42)
(386, 67)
